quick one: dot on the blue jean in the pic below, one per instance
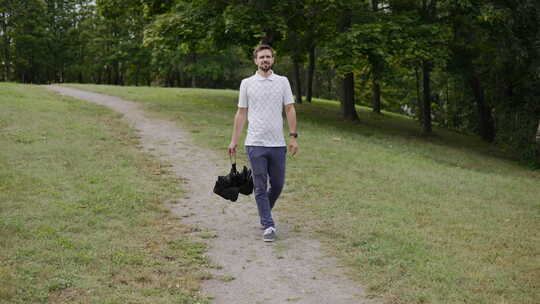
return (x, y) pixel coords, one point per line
(267, 162)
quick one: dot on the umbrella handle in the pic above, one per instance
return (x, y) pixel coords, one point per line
(231, 157)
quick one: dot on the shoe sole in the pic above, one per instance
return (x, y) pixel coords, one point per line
(268, 240)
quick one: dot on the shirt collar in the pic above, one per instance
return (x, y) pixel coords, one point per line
(260, 77)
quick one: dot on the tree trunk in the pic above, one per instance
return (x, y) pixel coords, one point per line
(268, 37)
(349, 111)
(137, 74)
(418, 109)
(182, 80)
(263, 7)
(376, 95)
(447, 105)
(428, 15)
(311, 72)
(330, 77)
(193, 77)
(537, 139)
(347, 102)
(538, 133)
(7, 59)
(375, 5)
(375, 66)
(109, 74)
(177, 77)
(116, 71)
(487, 128)
(426, 104)
(31, 74)
(298, 82)
(168, 79)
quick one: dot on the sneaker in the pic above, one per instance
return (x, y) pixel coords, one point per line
(269, 234)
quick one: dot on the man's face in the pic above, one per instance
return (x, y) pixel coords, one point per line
(264, 60)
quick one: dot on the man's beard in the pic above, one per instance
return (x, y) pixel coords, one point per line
(266, 68)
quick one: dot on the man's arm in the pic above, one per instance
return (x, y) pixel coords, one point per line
(238, 126)
(290, 112)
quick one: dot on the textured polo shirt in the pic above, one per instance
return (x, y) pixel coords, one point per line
(264, 97)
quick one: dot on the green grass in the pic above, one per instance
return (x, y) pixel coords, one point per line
(81, 212)
(442, 219)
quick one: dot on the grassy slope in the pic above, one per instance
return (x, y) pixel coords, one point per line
(81, 213)
(436, 220)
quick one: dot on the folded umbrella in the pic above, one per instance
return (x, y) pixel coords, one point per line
(230, 185)
(246, 181)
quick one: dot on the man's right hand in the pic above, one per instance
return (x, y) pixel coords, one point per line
(232, 148)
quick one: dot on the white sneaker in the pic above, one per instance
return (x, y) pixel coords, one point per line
(269, 234)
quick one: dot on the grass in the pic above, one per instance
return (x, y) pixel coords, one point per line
(442, 219)
(81, 212)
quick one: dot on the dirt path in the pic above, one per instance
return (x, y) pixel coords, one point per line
(293, 269)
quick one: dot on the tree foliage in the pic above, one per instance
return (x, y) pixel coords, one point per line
(468, 65)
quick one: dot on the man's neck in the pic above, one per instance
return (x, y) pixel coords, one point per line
(265, 74)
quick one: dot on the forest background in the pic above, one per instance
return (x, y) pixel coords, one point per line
(468, 65)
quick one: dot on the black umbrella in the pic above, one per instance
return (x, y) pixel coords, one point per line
(230, 185)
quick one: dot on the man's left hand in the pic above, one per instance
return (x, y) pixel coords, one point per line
(293, 146)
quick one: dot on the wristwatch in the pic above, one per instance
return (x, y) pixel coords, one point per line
(295, 135)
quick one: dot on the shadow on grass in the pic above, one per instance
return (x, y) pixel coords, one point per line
(443, 146)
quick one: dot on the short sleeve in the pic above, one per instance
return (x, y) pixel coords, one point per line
(242, 97)
(287, 94)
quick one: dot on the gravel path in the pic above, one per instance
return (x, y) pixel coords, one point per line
(294, 269)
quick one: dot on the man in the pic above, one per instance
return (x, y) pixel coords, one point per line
(262, 99)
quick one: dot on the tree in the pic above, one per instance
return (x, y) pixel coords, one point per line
(320, 27)
(377, 69)
(7, 12)
(29, 36)
(294, 38)
(421, 44)
(340, 53)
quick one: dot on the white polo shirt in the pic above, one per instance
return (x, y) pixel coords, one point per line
(264, 97)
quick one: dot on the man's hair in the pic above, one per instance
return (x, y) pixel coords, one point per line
(262, 47)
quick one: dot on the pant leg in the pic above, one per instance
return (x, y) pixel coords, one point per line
(276, 172)
(259, 166)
